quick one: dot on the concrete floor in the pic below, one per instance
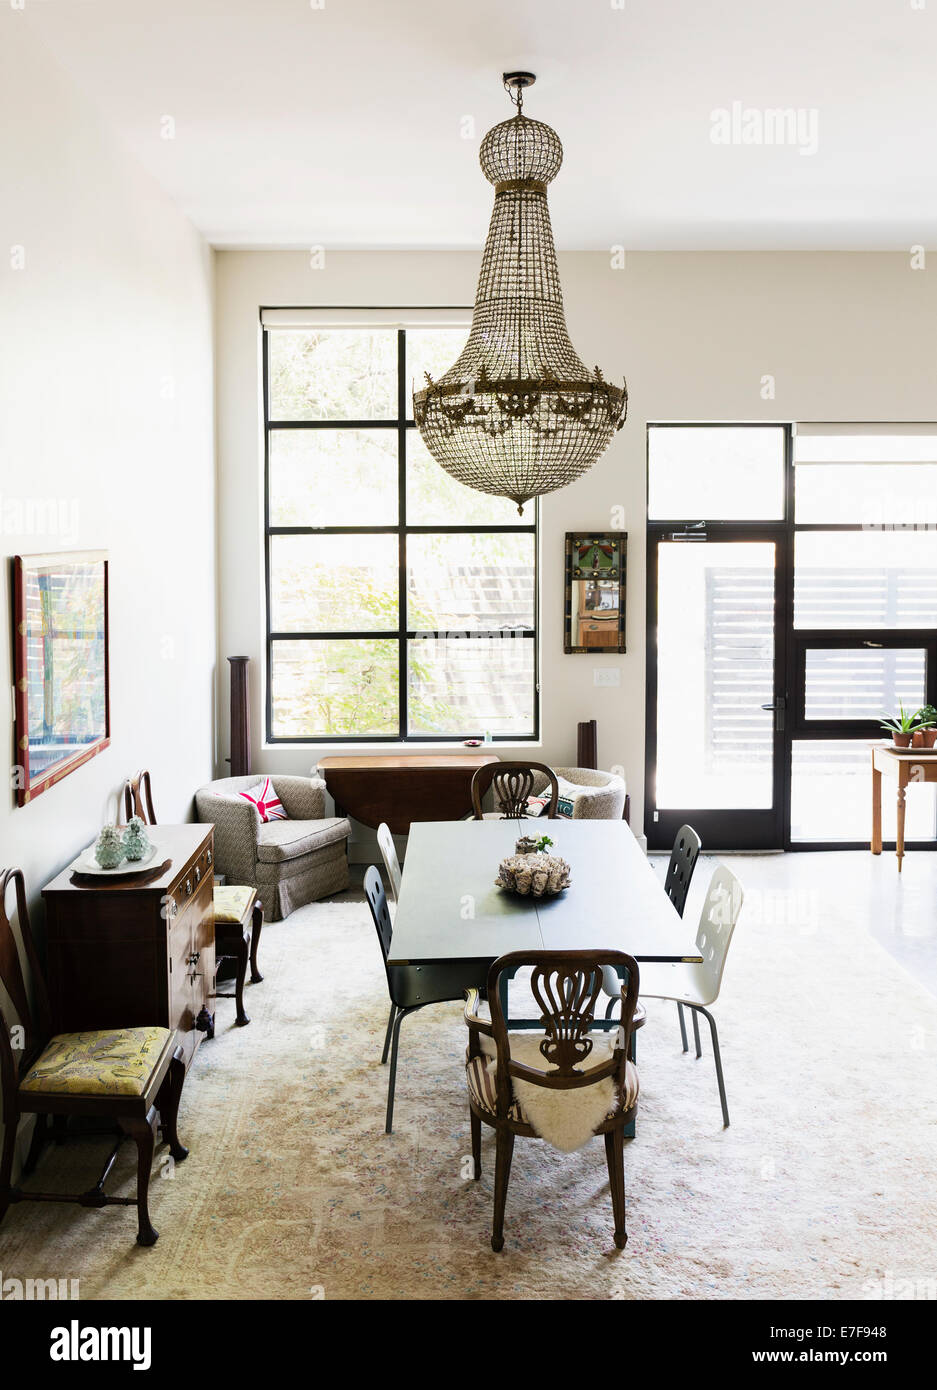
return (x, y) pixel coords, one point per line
(798, 892)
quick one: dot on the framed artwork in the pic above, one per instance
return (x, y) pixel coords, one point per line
(595, 591)
(61, 704)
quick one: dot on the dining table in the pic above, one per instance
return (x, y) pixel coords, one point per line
(450, 909)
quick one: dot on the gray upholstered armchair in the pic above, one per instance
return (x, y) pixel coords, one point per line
(289, 862)
(600, 795)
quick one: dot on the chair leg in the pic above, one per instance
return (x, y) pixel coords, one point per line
(40, 1135)
(615, 1158)
(6, 1163)
(699, 1050)
(257, 922)
(390, 1023)
(392, 1079)
(476, 1146)
(143, 1133)
(503, 1156)
(167, 1103)
(241, 1018)
(680, 1015)
(718, 1056)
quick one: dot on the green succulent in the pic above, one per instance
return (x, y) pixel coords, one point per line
(904, 722)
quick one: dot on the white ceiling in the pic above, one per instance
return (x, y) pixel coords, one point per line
(340, 126)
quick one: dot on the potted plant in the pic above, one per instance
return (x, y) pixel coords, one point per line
(901, 727)
(927, 726)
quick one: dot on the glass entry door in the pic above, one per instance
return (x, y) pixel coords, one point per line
(716, 729)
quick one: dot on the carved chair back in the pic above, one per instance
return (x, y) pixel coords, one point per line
(686, 850)
(24, 1028)
(138, 798)
(512, 784)
(566, 985)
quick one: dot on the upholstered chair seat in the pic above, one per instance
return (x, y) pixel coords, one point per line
(105, 1062)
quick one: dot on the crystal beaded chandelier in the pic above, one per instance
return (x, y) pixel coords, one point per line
(518, 414)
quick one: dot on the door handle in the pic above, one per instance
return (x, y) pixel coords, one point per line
(779, 706)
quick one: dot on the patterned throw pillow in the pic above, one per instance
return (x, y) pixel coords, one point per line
(538, 805)
(264, 798)
(569, 795)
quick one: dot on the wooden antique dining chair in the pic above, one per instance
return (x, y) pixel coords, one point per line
(239, 913)
(129, 1076)
(566, 986)
(511, 785)
(410, 987)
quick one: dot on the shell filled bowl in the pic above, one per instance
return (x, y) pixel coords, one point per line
(533, 875)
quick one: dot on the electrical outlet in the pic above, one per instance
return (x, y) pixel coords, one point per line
(606, 675)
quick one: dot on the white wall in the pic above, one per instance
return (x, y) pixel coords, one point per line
(106, 413)
(847, 336)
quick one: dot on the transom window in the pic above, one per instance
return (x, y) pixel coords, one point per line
(401, 605)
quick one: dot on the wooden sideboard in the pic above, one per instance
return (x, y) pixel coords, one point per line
(399, 789)
(130, 953)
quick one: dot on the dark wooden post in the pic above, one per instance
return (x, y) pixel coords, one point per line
(586, 744)
(240, 759)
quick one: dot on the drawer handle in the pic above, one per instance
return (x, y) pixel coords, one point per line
(208, 857)
(198, 874)
(188, 887)
(193, 958)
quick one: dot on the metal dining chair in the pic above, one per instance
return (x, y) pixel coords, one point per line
(385, 843)
(410, 987)
(683, 856)
(696, 985)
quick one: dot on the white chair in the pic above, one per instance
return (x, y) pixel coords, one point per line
(697, 985)
(385, 841)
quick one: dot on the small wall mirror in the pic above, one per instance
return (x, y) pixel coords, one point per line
(595, 591)
(61, 709)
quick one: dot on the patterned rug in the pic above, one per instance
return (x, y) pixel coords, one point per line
(819, 1189)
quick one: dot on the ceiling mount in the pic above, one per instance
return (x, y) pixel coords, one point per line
(518, 80)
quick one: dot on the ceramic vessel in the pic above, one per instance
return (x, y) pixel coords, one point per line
(109, 849)
(136, 841)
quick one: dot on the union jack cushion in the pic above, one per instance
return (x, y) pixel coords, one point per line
(265, 799)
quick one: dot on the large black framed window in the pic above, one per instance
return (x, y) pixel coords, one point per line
(401, 605)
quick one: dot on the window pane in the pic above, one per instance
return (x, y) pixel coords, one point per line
(332, 374)
(333, 477)
(865, 579)
(432, 350)
(434, 498)
(868, 494)
(463, 582)
(831, 795)
(715, 669)
(718, 473)
(847, 683)
(334, 687)
(333, 583)
(876, 475)
(470, 686)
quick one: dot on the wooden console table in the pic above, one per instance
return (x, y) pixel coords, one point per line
(133, 953)
(402, 788)
(906, 765)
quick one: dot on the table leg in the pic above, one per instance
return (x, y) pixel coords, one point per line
(899, 844)
(876, 845)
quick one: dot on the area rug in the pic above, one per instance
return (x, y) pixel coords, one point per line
(823, 1187)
